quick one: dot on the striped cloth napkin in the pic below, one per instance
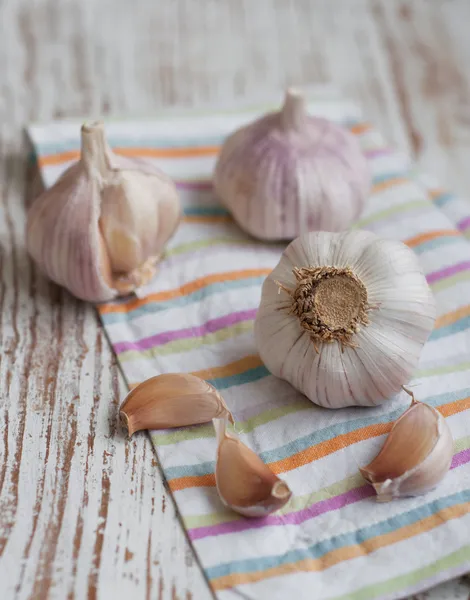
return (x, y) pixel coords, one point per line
(332, 540)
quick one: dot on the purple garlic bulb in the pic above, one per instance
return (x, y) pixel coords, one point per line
(289, 173)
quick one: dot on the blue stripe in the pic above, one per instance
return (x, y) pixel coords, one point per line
(360, 536)
(443, 199)
(377, 179)
(249, 376)
(437, 243)
(70, 144)
(261, 372)
(460, 325)
(196, 296)
(316, 437)
(205, 211)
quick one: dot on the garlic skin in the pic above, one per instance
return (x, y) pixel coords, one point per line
(416, 456)
(343, 317)
(101, 229)
(245, 484)
(289, 173)
(172, 400)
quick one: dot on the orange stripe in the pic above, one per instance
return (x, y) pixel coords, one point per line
(431, 235)
(233, 368)
(187, 482)
(57, 159)
(235, 275)
(360, 128)
(319, 450)
(339, 555)
(184, 290)
(230, 276)
(188, 152)
(436, 193)
(185, 152)
(389, 183)
(452, 317)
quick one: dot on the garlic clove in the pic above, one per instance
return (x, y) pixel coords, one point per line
(416, 455)
(101, 229)
(245, 484)
(289, 172)
(129, 239)
(172, 400)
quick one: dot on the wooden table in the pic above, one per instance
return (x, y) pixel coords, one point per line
(83, 513)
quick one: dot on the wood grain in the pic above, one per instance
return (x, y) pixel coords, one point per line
(84, 512)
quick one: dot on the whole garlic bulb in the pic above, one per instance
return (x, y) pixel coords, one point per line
(101, 229)
(343, 317)
(289, 173)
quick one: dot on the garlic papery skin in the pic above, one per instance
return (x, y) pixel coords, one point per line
(172, 400)
(245, 484)
(101, 229)
(289, 173)
(415, 457)
(343, 317)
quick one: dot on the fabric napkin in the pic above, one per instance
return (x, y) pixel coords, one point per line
(333, 540)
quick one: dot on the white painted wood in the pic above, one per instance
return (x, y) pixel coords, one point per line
(83, 512)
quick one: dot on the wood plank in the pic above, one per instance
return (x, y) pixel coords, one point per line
(83, 512)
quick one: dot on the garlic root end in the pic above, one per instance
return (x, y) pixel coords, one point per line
(126, 423)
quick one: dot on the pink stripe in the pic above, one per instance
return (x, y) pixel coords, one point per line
(317, 509)
(377, 152)
(203, 186)
(461, 458)
(296, 518)
(181, 334)
(464, 224)
(448, 271)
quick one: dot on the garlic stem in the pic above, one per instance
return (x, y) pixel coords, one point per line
(294, 112)
(95, 152)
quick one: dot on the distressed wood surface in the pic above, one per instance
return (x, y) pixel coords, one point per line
(83, 512)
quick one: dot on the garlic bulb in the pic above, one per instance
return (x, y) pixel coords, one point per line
(416, 455)
(288, 173)
(172, 400)
(343, 317)
(100, 230)
(245, 484)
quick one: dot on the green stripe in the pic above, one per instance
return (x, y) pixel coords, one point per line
(207, 431)
(296, 503)
(358, 538)
(219, 241)
(299, 502)
(198, 244)
(393, 210)
(400, 583)
(450, 281)
(188, 344)
(442, 370)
